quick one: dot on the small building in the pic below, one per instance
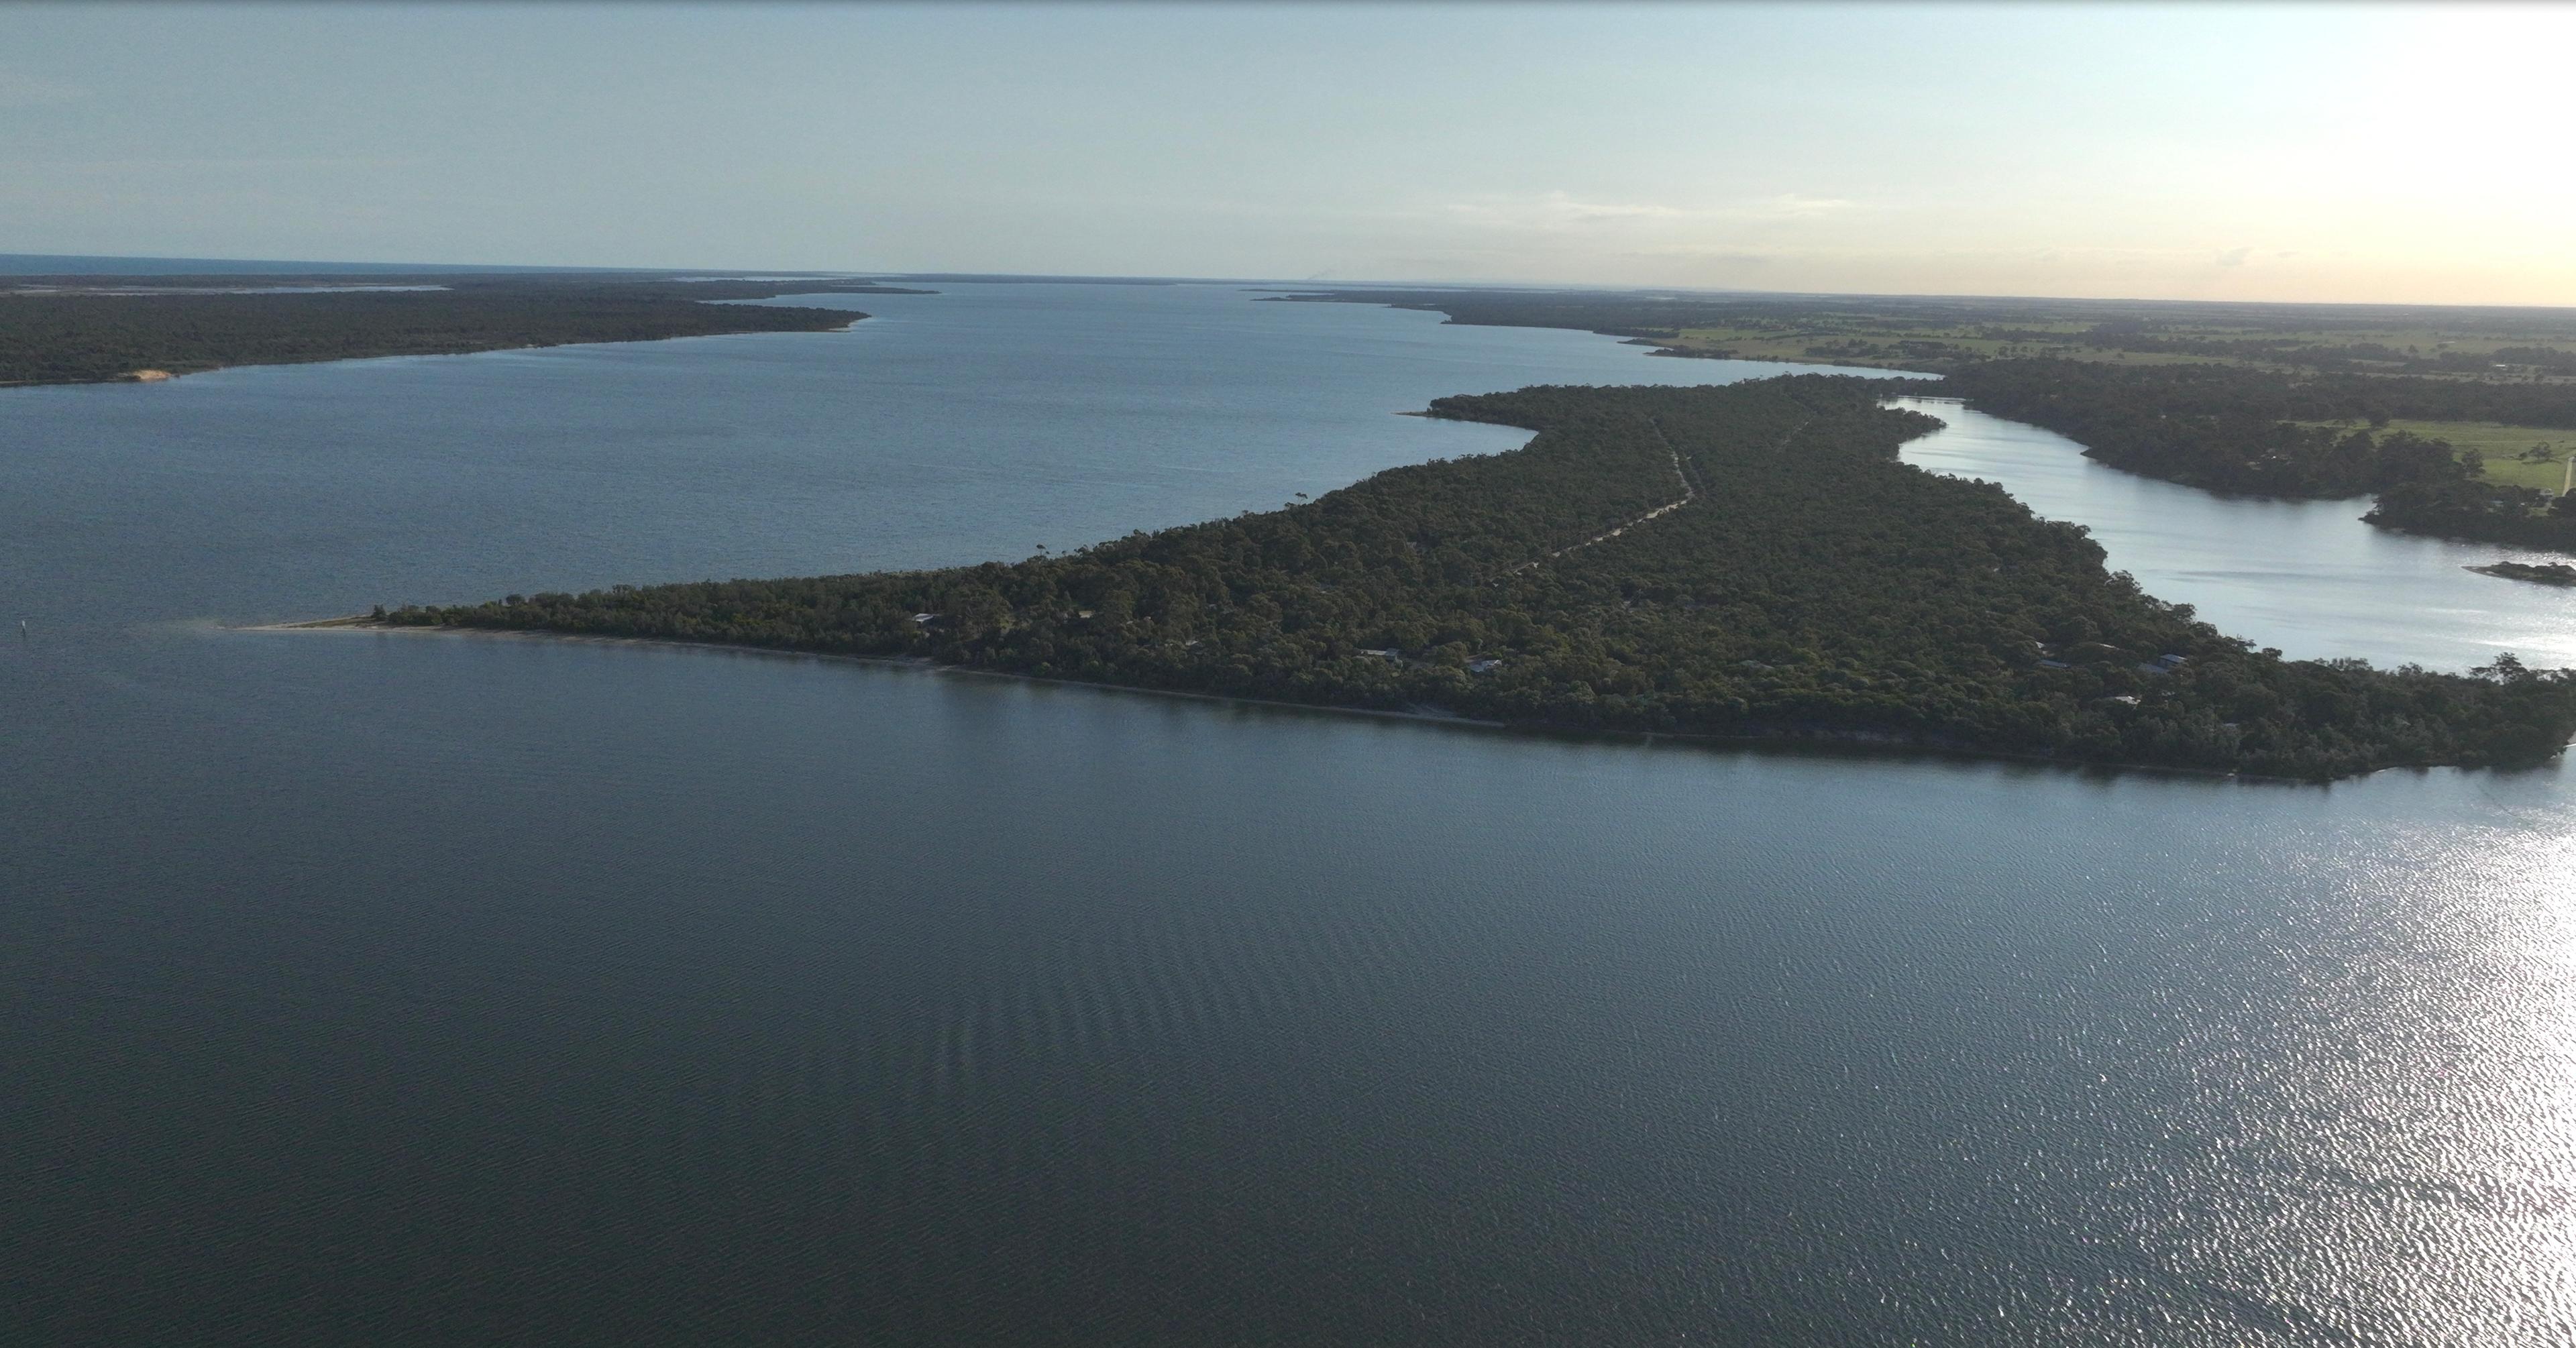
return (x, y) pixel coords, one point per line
(1484, 666)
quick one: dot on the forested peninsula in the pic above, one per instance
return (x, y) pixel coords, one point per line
(2458, 420)
(1750, 560)
(95, 329)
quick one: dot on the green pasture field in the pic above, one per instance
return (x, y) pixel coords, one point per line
(2498, 444)
(1772, 343)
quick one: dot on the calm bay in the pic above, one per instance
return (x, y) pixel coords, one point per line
(364, 987)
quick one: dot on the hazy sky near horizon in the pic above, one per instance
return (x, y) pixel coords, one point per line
(2304, 152)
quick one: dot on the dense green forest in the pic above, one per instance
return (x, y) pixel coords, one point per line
(1777, 573)
(57, 330)
(2253, 431)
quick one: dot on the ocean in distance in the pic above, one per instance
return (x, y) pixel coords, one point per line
(434, 990)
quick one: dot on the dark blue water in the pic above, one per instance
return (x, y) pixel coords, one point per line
(411, 989)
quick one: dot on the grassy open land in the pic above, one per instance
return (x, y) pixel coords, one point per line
(73, 329)
(1749, 561)
(2519, 456)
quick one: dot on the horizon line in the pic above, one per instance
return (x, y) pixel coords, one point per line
(317, 267)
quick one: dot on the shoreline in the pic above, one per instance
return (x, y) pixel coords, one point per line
(1845, 744)
(70, 334)
(158, 376)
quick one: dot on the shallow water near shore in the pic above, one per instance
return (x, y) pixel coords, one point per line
(365, 987)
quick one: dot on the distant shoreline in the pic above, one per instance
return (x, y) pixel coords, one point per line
(1823, 743)
(58, 334)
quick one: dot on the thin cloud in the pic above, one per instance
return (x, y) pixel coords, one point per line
(1790, 205)
(1553, 210)
(1562, 211)
(1719, 256)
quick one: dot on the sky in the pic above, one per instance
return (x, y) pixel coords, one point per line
(2374, 153)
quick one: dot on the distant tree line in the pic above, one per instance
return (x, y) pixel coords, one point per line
(86, 336)
(1920, 332)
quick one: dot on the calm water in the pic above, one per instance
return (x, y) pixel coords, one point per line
(2303, 576)
(381, 988)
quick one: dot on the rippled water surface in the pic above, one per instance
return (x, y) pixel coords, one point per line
(409, 989)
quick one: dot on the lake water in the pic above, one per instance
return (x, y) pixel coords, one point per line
(2303, 576)
(412, 989)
